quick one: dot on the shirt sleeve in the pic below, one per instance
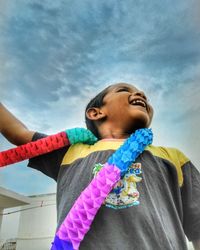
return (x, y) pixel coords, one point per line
(49, 163)
(191, 201)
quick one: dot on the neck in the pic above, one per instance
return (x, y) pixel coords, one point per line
(117, 134)
(112, 131)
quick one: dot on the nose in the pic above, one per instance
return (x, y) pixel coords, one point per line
(141, 93)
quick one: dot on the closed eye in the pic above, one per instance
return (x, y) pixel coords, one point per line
(123, 89)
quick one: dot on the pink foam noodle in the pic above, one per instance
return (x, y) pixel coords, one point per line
(80, 217)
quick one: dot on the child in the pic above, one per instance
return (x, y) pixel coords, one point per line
(156, 203)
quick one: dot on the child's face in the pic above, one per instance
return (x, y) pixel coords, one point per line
(127, 108)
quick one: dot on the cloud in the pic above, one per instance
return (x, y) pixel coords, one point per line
(56, 55)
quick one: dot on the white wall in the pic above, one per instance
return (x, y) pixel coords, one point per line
(37, 225)
(9, 226)
(1, 217)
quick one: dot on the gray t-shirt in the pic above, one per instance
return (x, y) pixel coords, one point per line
(153, 207)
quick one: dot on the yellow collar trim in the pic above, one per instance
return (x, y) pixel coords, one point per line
(79, 150)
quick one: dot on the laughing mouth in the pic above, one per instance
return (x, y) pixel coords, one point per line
(139, 102)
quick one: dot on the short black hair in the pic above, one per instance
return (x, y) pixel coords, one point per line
(96, 102)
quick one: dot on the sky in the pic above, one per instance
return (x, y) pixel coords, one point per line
(56, 55)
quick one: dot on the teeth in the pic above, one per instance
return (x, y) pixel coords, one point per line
(140, 102)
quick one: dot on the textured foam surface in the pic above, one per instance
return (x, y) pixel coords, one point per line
(46, 145)
(79, 219)
(33, 149)
(131, 149)
(78, 135)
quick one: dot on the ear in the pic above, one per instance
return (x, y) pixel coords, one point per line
(95, 114)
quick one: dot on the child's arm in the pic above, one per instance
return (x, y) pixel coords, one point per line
(12, 128)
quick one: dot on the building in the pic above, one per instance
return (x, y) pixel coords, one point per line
(27, 222)
(9, 200)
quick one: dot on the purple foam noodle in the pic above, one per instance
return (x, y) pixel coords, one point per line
(80, 217)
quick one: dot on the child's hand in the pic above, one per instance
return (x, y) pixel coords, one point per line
(80, 135)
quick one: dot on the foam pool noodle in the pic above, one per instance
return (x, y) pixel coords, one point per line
(79, 219)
